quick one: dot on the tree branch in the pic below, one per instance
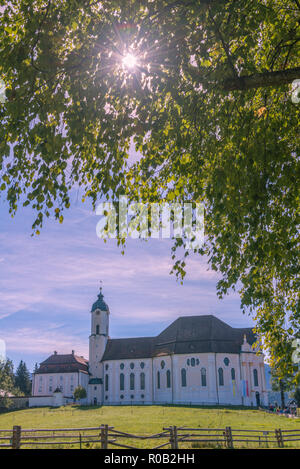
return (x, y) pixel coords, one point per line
(264, 79)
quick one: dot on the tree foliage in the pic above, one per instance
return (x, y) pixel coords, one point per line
(208, 107)
(7, 383)
(79, 393)
(23, 379)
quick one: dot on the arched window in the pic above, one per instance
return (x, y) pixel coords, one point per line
(97, 329)
(142, 380)
(122, 382)
(162, 364)
(168, 379)
(232, 374)
(131, 381)
(193, 362)
(255, 377)
(158, 380)
(203, 376)
(221, 377)
(183, 377)
(106, 382)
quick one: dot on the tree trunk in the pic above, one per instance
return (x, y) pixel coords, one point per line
(282, 394)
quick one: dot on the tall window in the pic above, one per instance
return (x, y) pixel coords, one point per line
(106, 382)
(255, 377)
(158, 380)
(97, 329)
(142, 381)
(221, 377)
(122, 382)
(232, 374)
(183, 377)
(168, 379)
(131, 381)
(203, 376)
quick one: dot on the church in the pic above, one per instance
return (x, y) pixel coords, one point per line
(197, 360)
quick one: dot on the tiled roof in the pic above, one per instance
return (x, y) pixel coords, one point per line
(190, 334)
(100, 303)
(63, 364)
(139, 347)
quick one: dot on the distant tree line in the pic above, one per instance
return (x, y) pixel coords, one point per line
(13, 383)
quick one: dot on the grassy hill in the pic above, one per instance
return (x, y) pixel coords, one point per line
(146, 419)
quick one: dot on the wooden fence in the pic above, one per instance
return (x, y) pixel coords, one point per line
(105, 436)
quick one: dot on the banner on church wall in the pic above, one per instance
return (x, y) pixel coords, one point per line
(245, 388)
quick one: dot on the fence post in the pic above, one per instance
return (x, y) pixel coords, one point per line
(228, 437)
(104, 436)
(173, 438)
(16, 437)
(279, 437)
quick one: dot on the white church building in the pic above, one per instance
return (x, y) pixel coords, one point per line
(195, 360)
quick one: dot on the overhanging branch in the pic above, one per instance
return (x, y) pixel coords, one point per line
(259, 80)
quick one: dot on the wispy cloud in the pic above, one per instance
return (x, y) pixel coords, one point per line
(36, 341)
(54, 279)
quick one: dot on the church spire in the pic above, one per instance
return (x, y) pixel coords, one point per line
(100, 303)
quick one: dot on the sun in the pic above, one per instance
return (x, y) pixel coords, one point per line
(129, 61)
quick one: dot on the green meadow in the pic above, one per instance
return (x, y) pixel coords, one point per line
(147, 420)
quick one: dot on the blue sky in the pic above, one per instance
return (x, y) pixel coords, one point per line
(49, 282)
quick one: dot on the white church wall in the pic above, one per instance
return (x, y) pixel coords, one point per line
(193, 389)
(41, 401)
(162, 392)
(83, 380)
(114, 368)
(249, 363)
(210, 391)
(230, 392)
(46, 383)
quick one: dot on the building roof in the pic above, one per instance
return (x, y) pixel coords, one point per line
(100, 303)
(95, 381)
(138, 347)
(186, 335)
(63, 364)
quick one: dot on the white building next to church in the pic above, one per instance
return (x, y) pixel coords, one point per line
(196, 360)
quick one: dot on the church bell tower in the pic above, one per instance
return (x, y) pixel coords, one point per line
(99, 335)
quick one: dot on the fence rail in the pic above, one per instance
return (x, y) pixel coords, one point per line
(172, 437)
